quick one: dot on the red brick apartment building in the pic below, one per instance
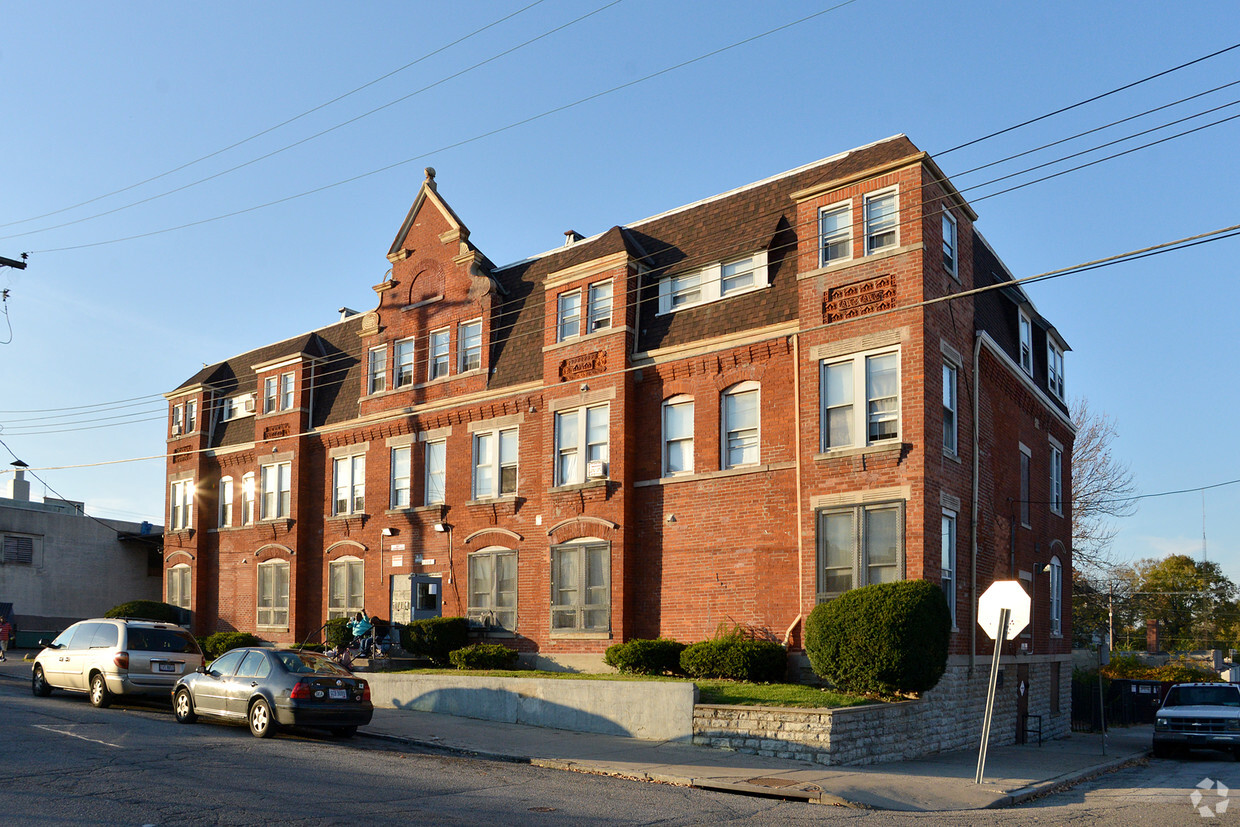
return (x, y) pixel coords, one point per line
(721, 415)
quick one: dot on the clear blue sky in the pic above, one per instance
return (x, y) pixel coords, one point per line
(98, 97)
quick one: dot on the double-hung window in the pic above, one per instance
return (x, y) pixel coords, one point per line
(581, 586)
(270, 394)
(947, 565)
(178, 427)
(1056, 585)
(276, 484)
(741, 445)
(495, 463)
(182, 504)
(469, 339)
(1056, 479)
(737, 276)
(349, 483)
(1054, 368)
(493, 588)
(286, 391)
(178, 586)
(376, 370)
(436, 471)
(861, 400)
(678, 435)
(439, 354)
(949, 243)
(950, 444)
(858, 546)
(684, 290)
(273, 593)
(581, 437)
(401, 476)
(882, 221)
(247, 499)
(226, 502)
(191, 416)
(1026, 343)
(1026, 459)
(345, 592)
(568, 315)
(835, 234)
(598, 311)
(404, 363)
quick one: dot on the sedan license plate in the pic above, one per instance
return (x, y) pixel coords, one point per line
(337, 694)
(167, 667)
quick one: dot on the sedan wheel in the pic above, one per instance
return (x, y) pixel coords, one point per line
(261, 722)
(39, 684)
(99, 694)
(183, 707)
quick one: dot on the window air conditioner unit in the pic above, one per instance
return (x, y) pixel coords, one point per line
(176, 430)
(596, 469)
(249, 405)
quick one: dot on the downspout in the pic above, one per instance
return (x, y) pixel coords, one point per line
(977, 459)
(796, 417)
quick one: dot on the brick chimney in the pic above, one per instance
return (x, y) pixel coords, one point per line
(1152, 642)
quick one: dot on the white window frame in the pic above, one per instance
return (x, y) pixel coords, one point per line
(436, 472)
(876, 227)
(354, 576)
(439, 363)
(951, 410)
(1054, 368)
(858, 402)
(248, 493)
(598, 306)
(704, 286)
(401, 475)
(859, 565)
(191, 416)
(1025, 336)
(273, 615)
(951, 245)
(469, 344)
(496, 608)
(177, 427)
(736, 269)
(276, 499)
(1056, 480)
(177, 586)
(288, 386)
(581, 606)
(271, 394)
(684, 441)
(1056, 597)
(405, 354)
(226, 502)
(349, 479)
(735, 435)
(376, 370)
(568, 315)
(574, 448)
(947, 562)
(181, 505)
(494, 453)
(838, 236)
(1026, 483)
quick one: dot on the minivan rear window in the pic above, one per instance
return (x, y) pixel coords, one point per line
(162, 640)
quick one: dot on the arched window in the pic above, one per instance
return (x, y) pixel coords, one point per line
(177, 589)
(741, 425)
(493, 587)
(273, 594)
(1056, 596)
(678, 435)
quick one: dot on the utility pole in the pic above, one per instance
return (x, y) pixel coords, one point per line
(14, 263)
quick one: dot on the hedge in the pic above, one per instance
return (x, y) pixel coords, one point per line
(883, 639)
(736, 658)
(483, 656)
(146, 610)
(645, 657)
(337, 633)
(220, 642)
(435, 637)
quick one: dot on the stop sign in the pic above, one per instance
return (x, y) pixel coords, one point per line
(1003, 594)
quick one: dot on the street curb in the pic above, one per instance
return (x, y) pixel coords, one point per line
(1068, 780)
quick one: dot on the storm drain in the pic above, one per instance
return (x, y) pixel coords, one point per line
(784, 783)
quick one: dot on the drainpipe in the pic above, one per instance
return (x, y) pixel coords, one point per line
(796, 416)
(977, 459)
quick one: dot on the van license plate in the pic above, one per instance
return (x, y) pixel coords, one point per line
(337, 694)
(167, 667)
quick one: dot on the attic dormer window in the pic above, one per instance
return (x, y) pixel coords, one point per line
(1026, 343)
(718, 281)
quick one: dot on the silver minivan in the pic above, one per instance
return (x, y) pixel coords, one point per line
(115, 656)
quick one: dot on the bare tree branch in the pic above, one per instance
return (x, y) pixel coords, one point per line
(1102, 489)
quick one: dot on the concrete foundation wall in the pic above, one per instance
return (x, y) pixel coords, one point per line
(658, 711)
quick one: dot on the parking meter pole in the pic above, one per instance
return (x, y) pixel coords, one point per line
(1004, 614)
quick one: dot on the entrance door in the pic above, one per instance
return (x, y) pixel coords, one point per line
(1022, 700)
(426, 596)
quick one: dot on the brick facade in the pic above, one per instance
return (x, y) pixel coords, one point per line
(574, 355)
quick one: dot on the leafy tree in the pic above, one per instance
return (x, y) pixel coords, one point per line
(1194, 601)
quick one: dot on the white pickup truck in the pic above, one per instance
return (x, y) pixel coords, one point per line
(1199, 716)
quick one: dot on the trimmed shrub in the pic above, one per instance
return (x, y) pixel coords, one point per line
(146, 610)
(1178, 671)
(645, 657)
(220, 642)
(883, 639)
(336, 633)
(483, 656)
(736, 658)
(435, 637)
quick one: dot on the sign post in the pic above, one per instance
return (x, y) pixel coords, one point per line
(1003, 613)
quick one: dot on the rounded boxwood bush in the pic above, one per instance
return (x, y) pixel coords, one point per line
(645, 657)
(146, 610)
(336, 633)
(483, 656)
(883, 639)
(737, 659)
(220, 642)
(435, 637)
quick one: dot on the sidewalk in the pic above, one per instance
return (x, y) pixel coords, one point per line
(938, 783)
